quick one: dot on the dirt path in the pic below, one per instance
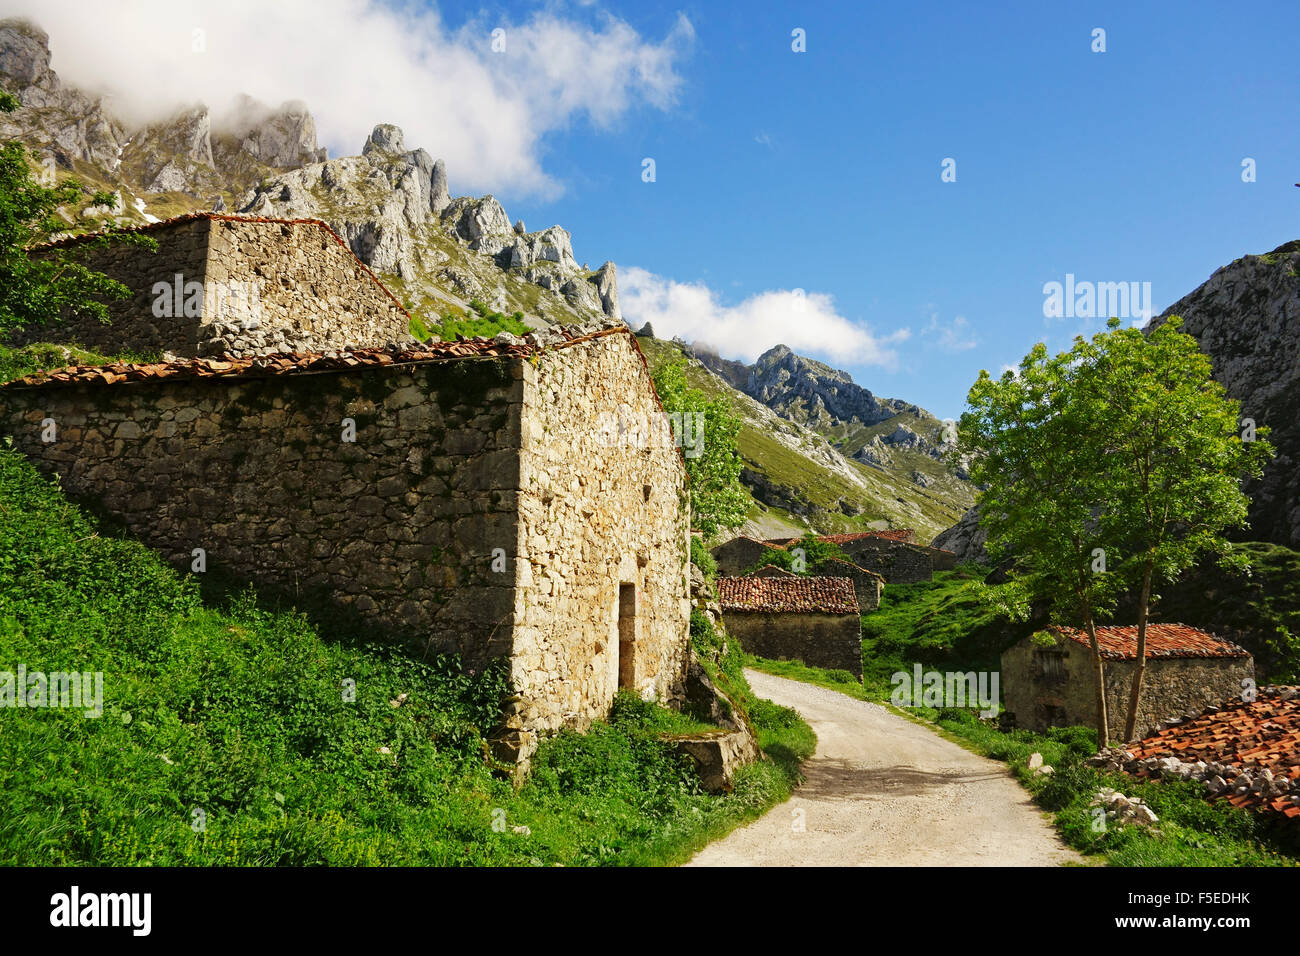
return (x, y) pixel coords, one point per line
(883, 791)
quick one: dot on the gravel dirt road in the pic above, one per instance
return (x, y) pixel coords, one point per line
(883, 791)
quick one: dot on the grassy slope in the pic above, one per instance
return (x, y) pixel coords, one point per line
(239, 712)
(883, 497)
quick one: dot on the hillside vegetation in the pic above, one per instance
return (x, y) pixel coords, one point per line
(799, 481)
(227, 738)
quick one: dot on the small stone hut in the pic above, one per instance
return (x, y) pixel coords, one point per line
(1187, 670)
(791, 617)
(242, 285)
(478, 497)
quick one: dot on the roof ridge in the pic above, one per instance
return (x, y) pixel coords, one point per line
(334, 360)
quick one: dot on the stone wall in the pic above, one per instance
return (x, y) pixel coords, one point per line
(182, 250)
(737, 556)
(867, 587)
(396, 526)
(1047, 687)
(603, 533)
(896, 562)
(833, 641)
(313, 293)
(237, 285)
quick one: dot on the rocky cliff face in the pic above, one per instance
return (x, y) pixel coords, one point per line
(805, 390)
(966, 539)
(1246, 317)
(390, 204)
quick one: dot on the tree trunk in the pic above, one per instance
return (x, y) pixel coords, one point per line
(1135, 691)
(1103, 729)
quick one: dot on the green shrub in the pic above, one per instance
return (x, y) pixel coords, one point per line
(703, 559)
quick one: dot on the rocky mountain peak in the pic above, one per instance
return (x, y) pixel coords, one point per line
(282, 137)
(25, 55)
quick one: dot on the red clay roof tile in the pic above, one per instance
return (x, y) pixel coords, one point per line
(1163, 641)
(795, 593)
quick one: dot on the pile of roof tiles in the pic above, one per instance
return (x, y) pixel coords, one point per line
(798, 594)
(1244, 752)
(285, 363)
(1163, 640)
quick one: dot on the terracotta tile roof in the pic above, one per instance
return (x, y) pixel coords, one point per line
(81, 238)
(287, 363)
(795, 593)
(1262, 733)
(1163, 641)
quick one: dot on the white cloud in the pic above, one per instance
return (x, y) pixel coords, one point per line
(806, 322)
(361, 62)
(956, 336)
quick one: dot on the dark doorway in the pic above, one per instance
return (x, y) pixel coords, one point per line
(627, 635)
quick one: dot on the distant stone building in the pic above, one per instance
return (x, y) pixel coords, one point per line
(894, 554)
(236, 284)
(740, 554)
(460, 496)
(1187, 670)
(790, 617)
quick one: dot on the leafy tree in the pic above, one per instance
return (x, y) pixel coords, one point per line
(718, 500)
(1113, 465)
(1028, 441)
(38, 291)
(1173, 458)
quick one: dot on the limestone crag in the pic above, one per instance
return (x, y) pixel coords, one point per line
(57, 122)
(785, 381)
(1246, 317)
(966, 539)
(391, 205)
(185, 153)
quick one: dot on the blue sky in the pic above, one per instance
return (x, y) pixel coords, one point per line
(821, 170)
(797, 196)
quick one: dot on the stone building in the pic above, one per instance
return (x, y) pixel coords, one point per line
(233, 284)
(893, 554)
(1187, 670)
(737, 556)
(462, 497)
(791, 617)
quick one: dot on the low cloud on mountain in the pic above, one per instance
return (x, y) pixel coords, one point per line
(486, 112)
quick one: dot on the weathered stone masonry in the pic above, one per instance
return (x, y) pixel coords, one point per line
(268, 285)
(452, 460)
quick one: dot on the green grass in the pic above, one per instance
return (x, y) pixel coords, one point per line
(943, 624)
(21, 361)
(1259, 608)
(479, 322)
(239, 711)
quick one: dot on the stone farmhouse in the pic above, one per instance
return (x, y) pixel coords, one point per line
(461, 497)
(792, 617)
(1187, 671)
